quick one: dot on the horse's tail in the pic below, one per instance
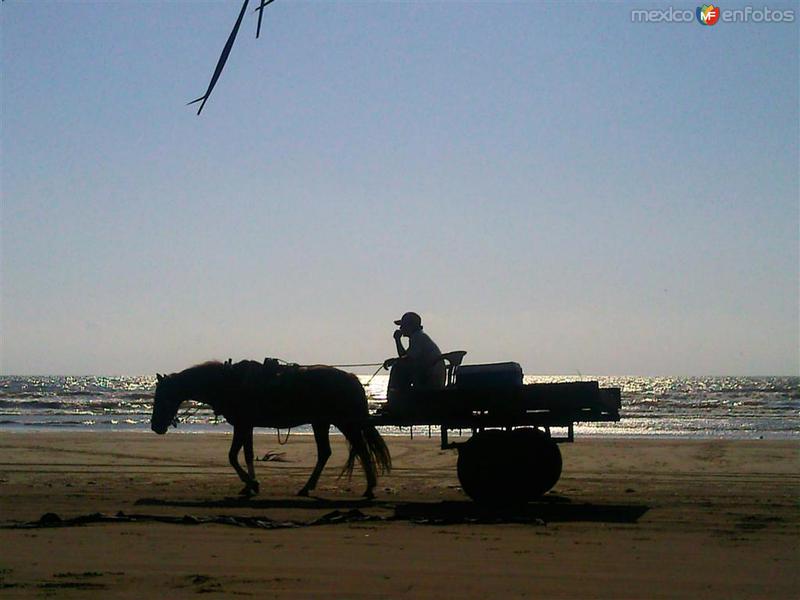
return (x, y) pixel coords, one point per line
(370, 448)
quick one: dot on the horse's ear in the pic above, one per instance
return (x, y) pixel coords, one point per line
(159, 376)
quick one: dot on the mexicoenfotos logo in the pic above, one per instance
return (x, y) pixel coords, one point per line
(708, 14)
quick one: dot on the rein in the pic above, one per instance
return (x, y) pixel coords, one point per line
(380, 368)
(343, 366)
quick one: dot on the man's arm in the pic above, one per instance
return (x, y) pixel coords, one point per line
(401, 352)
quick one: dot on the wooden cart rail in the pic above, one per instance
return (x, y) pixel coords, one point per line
(536, 404)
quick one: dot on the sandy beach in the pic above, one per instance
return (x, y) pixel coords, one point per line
(628, 519)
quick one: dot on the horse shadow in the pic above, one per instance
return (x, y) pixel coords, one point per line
(549, 509)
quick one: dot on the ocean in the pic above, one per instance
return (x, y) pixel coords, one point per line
(682, 407)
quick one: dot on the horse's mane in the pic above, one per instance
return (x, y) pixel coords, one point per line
(203, 367)
(201, 374)
(208, 363)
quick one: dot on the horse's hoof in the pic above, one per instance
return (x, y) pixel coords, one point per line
(303, 493)
(368, 495)
(245, 491)
(255, 487)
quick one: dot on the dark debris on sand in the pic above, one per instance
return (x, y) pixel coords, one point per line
(442, 513)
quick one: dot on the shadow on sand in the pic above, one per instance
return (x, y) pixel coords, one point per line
(552, 509)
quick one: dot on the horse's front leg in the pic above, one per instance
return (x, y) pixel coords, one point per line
(323, 454)
(239, 438)
(248, 459)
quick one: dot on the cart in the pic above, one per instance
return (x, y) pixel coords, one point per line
(512, 454)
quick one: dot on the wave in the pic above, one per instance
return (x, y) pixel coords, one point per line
(696, 406)
(29, 404)
(71, 405)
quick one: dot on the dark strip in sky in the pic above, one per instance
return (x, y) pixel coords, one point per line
(222, 59)
(260, 11)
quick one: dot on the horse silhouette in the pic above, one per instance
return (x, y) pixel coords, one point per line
(250, 394)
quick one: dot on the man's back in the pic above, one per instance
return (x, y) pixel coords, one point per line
(428, 367)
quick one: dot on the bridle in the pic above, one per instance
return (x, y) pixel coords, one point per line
(190, 411)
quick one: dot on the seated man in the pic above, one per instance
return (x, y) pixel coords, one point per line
(418, 367)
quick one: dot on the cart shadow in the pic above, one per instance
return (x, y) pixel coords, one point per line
(551, 509)
(540, 512)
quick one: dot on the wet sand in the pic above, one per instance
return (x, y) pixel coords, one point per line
(628, 519)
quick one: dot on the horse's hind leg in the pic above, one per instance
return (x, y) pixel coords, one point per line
(239, 439)
(323, 454)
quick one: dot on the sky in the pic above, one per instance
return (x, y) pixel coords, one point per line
(548, 183)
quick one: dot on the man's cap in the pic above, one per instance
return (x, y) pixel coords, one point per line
(410, 320)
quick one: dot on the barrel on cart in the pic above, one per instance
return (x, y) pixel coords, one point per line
(512, 455)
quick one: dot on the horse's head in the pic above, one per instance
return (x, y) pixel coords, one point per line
(166, 403)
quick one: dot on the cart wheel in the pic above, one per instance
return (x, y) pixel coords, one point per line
(539, 458)
(501, 467)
